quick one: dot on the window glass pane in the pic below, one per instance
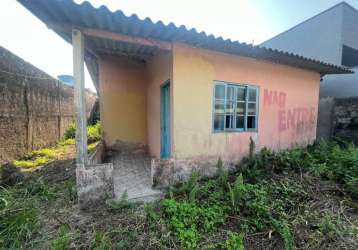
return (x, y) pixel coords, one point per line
(252, 95)
(229, 107)
(229, 121)
(240, 94)
(219, 122)
(240, 108)
(251, 122)
(230, 92)
(219, 107)
(251, 109)
(240, 121)
(231, 104)
(219, 91)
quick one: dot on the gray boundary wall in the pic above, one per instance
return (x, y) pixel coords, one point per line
(338, 117)
(325, 118)
(35, 109)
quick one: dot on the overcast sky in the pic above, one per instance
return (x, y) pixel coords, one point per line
(243, 20)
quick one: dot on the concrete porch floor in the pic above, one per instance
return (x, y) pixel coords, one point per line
(132, 174)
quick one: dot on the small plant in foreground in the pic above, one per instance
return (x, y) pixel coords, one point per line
(234, 241)
(63, 239)
(222, 174)
(121, 204)
(101, 241)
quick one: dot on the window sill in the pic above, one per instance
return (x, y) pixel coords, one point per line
(236, 131)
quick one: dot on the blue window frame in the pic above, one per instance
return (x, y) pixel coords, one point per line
(235, 107)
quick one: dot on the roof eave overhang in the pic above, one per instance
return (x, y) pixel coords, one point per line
(61, 15)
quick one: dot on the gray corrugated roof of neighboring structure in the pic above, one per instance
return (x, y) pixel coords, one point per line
(67, 12)
(309, 19)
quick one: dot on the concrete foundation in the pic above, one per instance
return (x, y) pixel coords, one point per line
(94, 184)
(95, 180)
(169, 171)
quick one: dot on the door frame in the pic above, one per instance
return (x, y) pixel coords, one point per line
(165, 141)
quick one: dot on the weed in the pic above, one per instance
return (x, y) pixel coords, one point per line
(66, 142)
(187, 220)
(234, 241)
(92, 146)
(70, 191)
(18, 219)
(193, 194)
(151, 216)
(329, 226)
(190, 184)
(71, 131)
(222, 174)
(62, 241)
(121, 204)
(283, 229)
(101, 241)
(28, 164)
(46, 152)
(93, 132)
(351, 186)
(236, 192)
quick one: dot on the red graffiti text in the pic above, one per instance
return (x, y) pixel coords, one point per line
(300, 119)
(272, 97)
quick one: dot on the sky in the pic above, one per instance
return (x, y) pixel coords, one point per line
(250, 21)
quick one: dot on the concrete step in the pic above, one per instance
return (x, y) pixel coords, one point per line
(142, 196)
(147, 198)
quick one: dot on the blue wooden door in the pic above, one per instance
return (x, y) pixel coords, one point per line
(165, 120)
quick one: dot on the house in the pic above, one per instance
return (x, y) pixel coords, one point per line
(330, 36)
(188, 96)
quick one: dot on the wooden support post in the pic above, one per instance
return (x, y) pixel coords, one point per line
(80, 103)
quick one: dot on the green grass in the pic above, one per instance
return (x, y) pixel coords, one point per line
(19, 213)
(93, 132)
(46, 155)
(331, 160)
(29, 164)
(301, 198)
(66, 142)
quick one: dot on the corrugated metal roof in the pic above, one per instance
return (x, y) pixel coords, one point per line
(67, 12)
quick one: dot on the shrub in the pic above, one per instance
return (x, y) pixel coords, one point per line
(71, 131)
(93, 133)
(352, 187)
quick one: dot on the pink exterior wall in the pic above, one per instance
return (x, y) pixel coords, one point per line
(159, 70)
(123, 101)
(130, 100)
(288, 99)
